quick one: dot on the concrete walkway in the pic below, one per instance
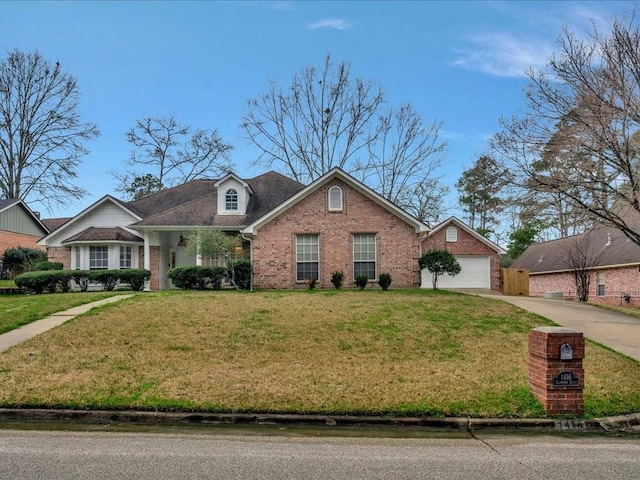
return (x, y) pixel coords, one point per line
(615, 330)
(19, 335)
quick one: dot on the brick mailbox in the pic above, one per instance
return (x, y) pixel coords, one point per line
(556, 375)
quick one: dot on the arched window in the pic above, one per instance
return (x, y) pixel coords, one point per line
(335, 199)
(452, 234)
(231, 200)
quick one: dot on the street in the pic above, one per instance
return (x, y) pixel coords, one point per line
(110, 455)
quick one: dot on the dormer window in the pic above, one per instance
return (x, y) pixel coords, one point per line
(335, 199)
(231, 200)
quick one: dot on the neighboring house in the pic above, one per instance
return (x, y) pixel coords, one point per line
(19, 226)
(291, 232)
(612, 259)
(478, 256)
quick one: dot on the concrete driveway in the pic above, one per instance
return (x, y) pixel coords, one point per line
(615, 330)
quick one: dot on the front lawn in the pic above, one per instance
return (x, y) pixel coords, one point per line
(18, 309)
(350, 352)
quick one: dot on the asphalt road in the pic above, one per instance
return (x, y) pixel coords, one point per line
(100, 455)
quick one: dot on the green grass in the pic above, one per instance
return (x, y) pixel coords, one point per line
(7, 284)
(410, 352)
(17, 310)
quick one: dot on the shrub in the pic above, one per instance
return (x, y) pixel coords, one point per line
(337, 278)
(135, 278)
(311, 283)
(34, 281)
(45, 266)
(108, 278)
(22, 259)
(197, 277)
(384, 280)
(82, 279)
(361, 281)
(49, 280)
(240, 271)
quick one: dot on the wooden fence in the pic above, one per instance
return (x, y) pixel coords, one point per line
(514, 282)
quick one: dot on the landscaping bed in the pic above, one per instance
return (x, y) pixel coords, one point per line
(413, 352)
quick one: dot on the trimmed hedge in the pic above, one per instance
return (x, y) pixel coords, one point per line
(44, 266)
(52, 280)
(197, 277)
(242, 274)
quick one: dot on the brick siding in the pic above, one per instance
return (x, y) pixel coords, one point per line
(274, 245)
(618, 281)
(466, 244)
(12, 239)
(60, 254)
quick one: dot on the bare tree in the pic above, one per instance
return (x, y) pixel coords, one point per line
(327, 119)
(164, 145)
(576, 138)
(42, 135)
(403, 162)
(581, 256)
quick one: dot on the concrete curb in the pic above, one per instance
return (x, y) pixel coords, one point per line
(622, 424)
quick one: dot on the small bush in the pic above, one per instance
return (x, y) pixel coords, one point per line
(311, 283)
(18, 260)
(46, 266)
(241, 274)
(135, 278)
(48, 280)
(108, 278)
(384, 280)
(361, 281)
(336, 279)
(197, 277)
(82, 279)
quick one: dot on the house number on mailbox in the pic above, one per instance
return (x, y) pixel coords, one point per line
(566, 379)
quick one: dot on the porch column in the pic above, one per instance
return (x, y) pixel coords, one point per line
(147, 259)
(198, 255)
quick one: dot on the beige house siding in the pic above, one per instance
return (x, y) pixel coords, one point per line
(274, 245)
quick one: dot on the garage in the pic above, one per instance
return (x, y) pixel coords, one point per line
(475, 273)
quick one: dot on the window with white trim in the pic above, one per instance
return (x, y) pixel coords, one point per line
(231, 199)
(125, 257)
(364, 255)
(307, 257)
(452, 234)
(600, 287)
(98, 257)
(335, 199)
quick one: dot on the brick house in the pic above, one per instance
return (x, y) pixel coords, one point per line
(478, 256)
(611, 258)
(19, 226)
(291, 232)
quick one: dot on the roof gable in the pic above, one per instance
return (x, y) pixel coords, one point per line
(16, 216)
(350, 181)
(460, 224)
(92, 216)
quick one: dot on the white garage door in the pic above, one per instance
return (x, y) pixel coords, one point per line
(475, 273)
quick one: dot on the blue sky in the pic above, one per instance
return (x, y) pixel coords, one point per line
(460, 63)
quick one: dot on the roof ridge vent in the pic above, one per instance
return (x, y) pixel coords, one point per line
(608, 239)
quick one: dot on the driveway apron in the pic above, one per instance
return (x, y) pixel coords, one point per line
(615, 330)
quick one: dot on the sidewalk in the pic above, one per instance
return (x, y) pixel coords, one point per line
(19, 335)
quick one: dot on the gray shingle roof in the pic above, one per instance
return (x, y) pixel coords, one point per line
(196, 203)
(603, 246)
